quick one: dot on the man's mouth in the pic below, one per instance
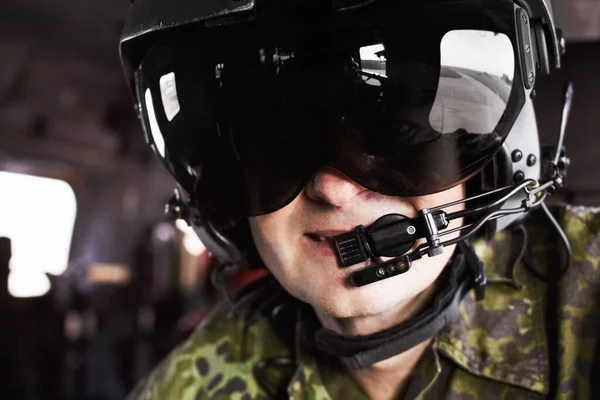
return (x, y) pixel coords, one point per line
(322, 241)
(317, 238)
(325, 234)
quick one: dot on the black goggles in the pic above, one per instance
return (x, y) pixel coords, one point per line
(406, 100)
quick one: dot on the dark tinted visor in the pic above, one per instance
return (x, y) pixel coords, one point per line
(406, 100)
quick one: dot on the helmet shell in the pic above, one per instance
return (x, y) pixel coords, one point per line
(149, 17)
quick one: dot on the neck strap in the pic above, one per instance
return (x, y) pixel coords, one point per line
(464, 273)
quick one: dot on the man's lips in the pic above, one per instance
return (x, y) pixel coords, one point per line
(326, 234)
(321, 241)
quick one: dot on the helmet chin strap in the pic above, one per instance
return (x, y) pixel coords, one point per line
(360, 352)
(393, 235)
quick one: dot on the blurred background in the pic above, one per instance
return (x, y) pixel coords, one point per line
(96, 285)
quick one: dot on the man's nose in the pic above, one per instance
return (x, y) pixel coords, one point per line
(330, 186)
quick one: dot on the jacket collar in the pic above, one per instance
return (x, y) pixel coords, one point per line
(502, 337)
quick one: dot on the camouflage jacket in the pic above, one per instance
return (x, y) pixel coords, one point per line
(527, 339)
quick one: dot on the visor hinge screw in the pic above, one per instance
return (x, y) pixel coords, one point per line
(516, 156)
(518, 176)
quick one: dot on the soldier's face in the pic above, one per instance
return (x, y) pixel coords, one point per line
(308, 268)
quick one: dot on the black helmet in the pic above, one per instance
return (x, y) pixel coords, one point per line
(244, 100)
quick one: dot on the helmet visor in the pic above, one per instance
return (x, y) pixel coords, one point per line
(405, 100)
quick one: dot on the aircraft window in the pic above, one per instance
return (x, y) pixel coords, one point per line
(38, 215)
(191, 242)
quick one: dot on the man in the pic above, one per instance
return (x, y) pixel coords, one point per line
(334, 143)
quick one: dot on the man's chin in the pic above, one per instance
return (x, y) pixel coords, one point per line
(354, 304)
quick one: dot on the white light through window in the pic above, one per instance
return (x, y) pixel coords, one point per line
(191, 242)
(38, 215)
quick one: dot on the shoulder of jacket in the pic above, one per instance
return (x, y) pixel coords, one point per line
(581, 223)
(577, 301)
(219, 357)
(504, 336)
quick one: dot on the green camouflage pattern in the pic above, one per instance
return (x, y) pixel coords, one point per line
(498, 348)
